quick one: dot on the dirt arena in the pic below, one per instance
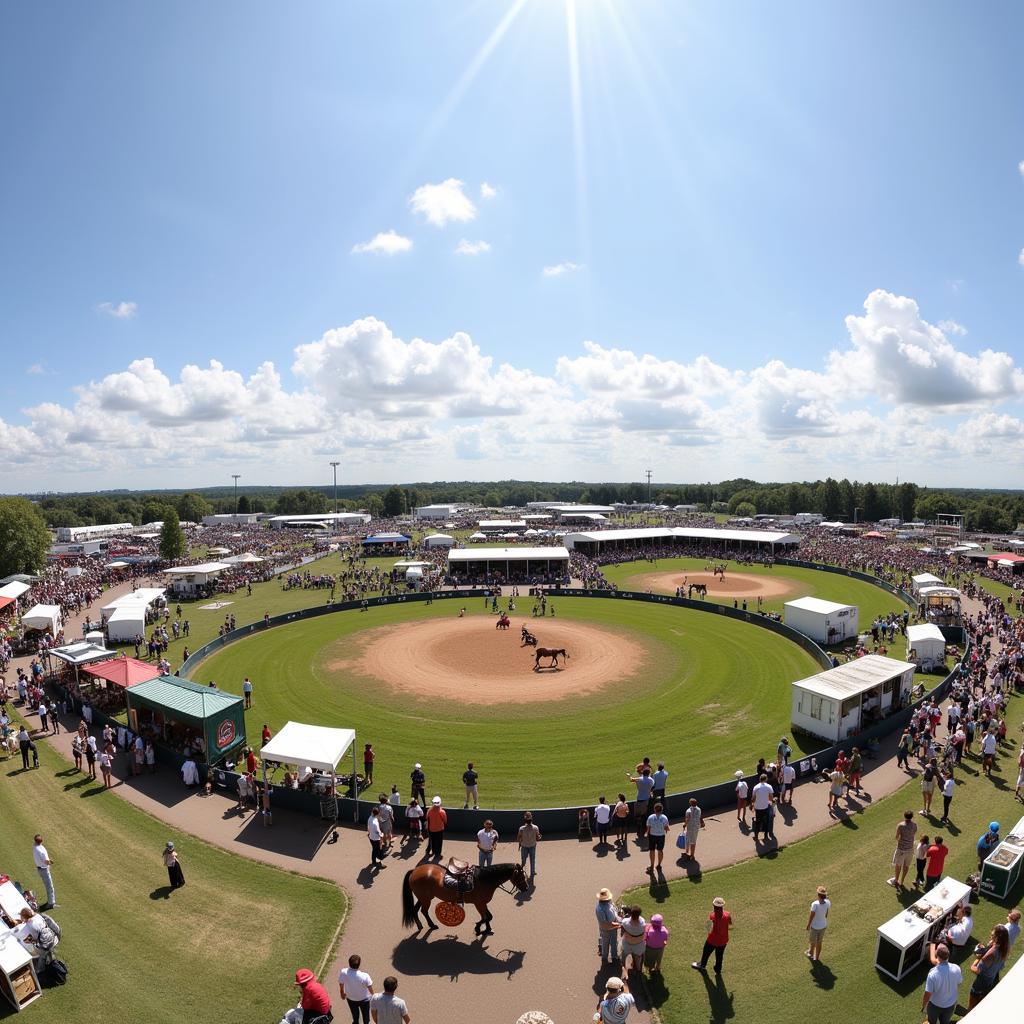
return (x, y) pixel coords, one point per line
(468, 660)
(735, 584)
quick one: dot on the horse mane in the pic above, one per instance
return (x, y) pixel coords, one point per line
(496, 872)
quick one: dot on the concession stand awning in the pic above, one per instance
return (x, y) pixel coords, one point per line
(123, 672)
(177, 711)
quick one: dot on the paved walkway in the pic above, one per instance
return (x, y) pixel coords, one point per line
(542, 954)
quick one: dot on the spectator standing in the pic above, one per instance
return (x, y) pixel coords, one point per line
(741, 797)
(656, 829)
(761, 798)
(602, 816)
(25, 743)
(356, 987)
(487, 843)
(413, 820)
(928, 778)
(817, 922)
(632, 928)
(655, 941)
(43, 725)
(948, 788)
(386, 817)
(528, 837)
(903, 750)
(855, 767)
(418, 781)
(718, 925)
(376, 837)
(469, 780)
(437, 819)
(921, 858)
(904, 852)
(607, 927)
(942, 986)
(991, 958)
(368, 758)
(937, 854)
(174, 873)
(247, 691)
(43, 866)
(617, 1002)
(788, 781)
(987, 843)
(386, 1007)
(644, 787)
(660, 779)
(1013, 925)
(988, 752)
(693, 822)
(620, 814)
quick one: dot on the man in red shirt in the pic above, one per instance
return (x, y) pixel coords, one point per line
(936, 855)
(316, 1003)
(437, 818)
(719, 923)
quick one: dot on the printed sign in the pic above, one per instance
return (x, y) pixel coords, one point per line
(225, 734)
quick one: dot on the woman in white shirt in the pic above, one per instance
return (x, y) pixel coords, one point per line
(817, 922)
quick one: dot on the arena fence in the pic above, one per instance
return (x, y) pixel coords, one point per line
(551, 820)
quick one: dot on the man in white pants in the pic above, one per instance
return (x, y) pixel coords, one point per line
(43, 864)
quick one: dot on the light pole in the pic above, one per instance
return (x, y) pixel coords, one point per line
(334, 466)
(235, 476)
(855, 511)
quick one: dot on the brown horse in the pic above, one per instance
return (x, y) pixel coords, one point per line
(549, 652)
(425, 883)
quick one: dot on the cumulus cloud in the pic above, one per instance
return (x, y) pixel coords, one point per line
(119, 310)
(952, 327)
(35, 370)
(384, 243)
(1020, 257)
(900, 357)
(565, 267)
(487, 191)
(443, 202)
(1020, 168)
(467, 248)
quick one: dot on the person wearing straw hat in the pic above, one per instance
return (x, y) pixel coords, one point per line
(170, 858)
(617, 1002)
(718, 925)
(607, 927)
(817, 922)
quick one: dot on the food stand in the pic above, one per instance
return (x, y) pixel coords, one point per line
(110, 679)
(178, 713)
(903, 940)
(1002, 868)
(76, 656)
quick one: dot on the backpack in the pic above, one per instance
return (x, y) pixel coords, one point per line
(46, 939)
(51, 924)
(57, 972)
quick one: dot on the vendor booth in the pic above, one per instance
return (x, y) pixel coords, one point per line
(439, 540)
(196, 580)
(940, 606)
(825, 622)
(74, 657)
(840, 702)
(385, 542)
(247, 558)
(126, 623)
(315, 750)
(926, 647)
(926, 579)
(179, 714)
(14, 589)
(104, 682)
(1004, 865)
(46, 618)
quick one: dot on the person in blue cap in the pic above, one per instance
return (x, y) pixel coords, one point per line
(987, 843)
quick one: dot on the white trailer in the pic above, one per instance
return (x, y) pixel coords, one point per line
(825, 622)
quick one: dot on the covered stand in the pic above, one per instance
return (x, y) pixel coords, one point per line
(176, 712)
(926, 646)
(940, 605)
(111, 677)
(316, 746)
(78, 654)
(44, 617)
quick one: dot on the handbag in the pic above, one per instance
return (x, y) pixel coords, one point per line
(681, 841)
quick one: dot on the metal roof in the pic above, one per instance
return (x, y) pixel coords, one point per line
(205, 569)
(816, 604)
(508, 554)
(685, 533)
(184, 697)
(855, 677)
(924, 631)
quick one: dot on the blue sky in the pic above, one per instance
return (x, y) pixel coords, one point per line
(781, 241)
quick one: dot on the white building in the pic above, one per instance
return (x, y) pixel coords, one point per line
(502, 526)
(825, 622)
(926, 646)
(839, 703)
(189, 580)
(441, 512)
(74, 534)
(319, 521)
(511, 563)
(232, 519)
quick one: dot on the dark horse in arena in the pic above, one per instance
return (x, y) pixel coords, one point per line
(425, 883)
(549, 652)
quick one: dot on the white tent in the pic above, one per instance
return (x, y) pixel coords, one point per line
(46, 617)
(14, 590)
(926, 579)
(317, 746)
(126, 622)
(141, 598)
(823, 621)
(439, 540)
(478, 536)
(927, 646)
(248, 558)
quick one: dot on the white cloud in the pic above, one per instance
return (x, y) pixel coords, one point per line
(119, 310)
(565, 267)
(467, 248)
(489, 191)
(442, 203)
(1020, 257)
(35, 370)
(384, 243)
(952, 327)
(1020, 167)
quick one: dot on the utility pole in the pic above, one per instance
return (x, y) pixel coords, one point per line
(648, 487)
(334, 466)
(235, 476)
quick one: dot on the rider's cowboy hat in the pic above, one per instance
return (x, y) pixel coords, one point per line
(604, 895)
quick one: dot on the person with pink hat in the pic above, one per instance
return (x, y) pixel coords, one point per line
(315, 1003)
(655, 939)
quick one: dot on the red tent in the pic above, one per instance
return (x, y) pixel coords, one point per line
(1006, 556)
(874, 535)
(123, 672)
(5, 601)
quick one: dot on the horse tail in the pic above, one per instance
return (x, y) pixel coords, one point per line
(408, 902)
(566, 653)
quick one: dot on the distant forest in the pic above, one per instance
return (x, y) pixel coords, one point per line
(986, 510)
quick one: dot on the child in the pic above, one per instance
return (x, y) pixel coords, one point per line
(921, 853)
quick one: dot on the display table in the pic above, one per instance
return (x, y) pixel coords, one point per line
(18, 980)
(11, 904)
(1002, 868)
(903, 940)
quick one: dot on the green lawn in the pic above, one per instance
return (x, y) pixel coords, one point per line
(715, 697)
(871, 601)
(120, 931)
(766, 976)
(1006, 594)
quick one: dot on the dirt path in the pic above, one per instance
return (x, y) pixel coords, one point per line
(732, 585)
(543, 952)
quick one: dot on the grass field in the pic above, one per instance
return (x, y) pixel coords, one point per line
(711, 678)
(1006, 594)
(871, 601)
(766, 976)
(229, 965)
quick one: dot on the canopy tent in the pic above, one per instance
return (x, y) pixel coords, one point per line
(170, 703)
(15, 589)
(117, 565)
(140, 598)
(46, 617)
(5, 601)
(390, 540)
(126, 622)
(439, 540)
(873, 535)
(218, 551)
(478, 536)
(248, 558)
(123, 672)
(82, 652)
(926, 646)
(316, 746)
(926, 579)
